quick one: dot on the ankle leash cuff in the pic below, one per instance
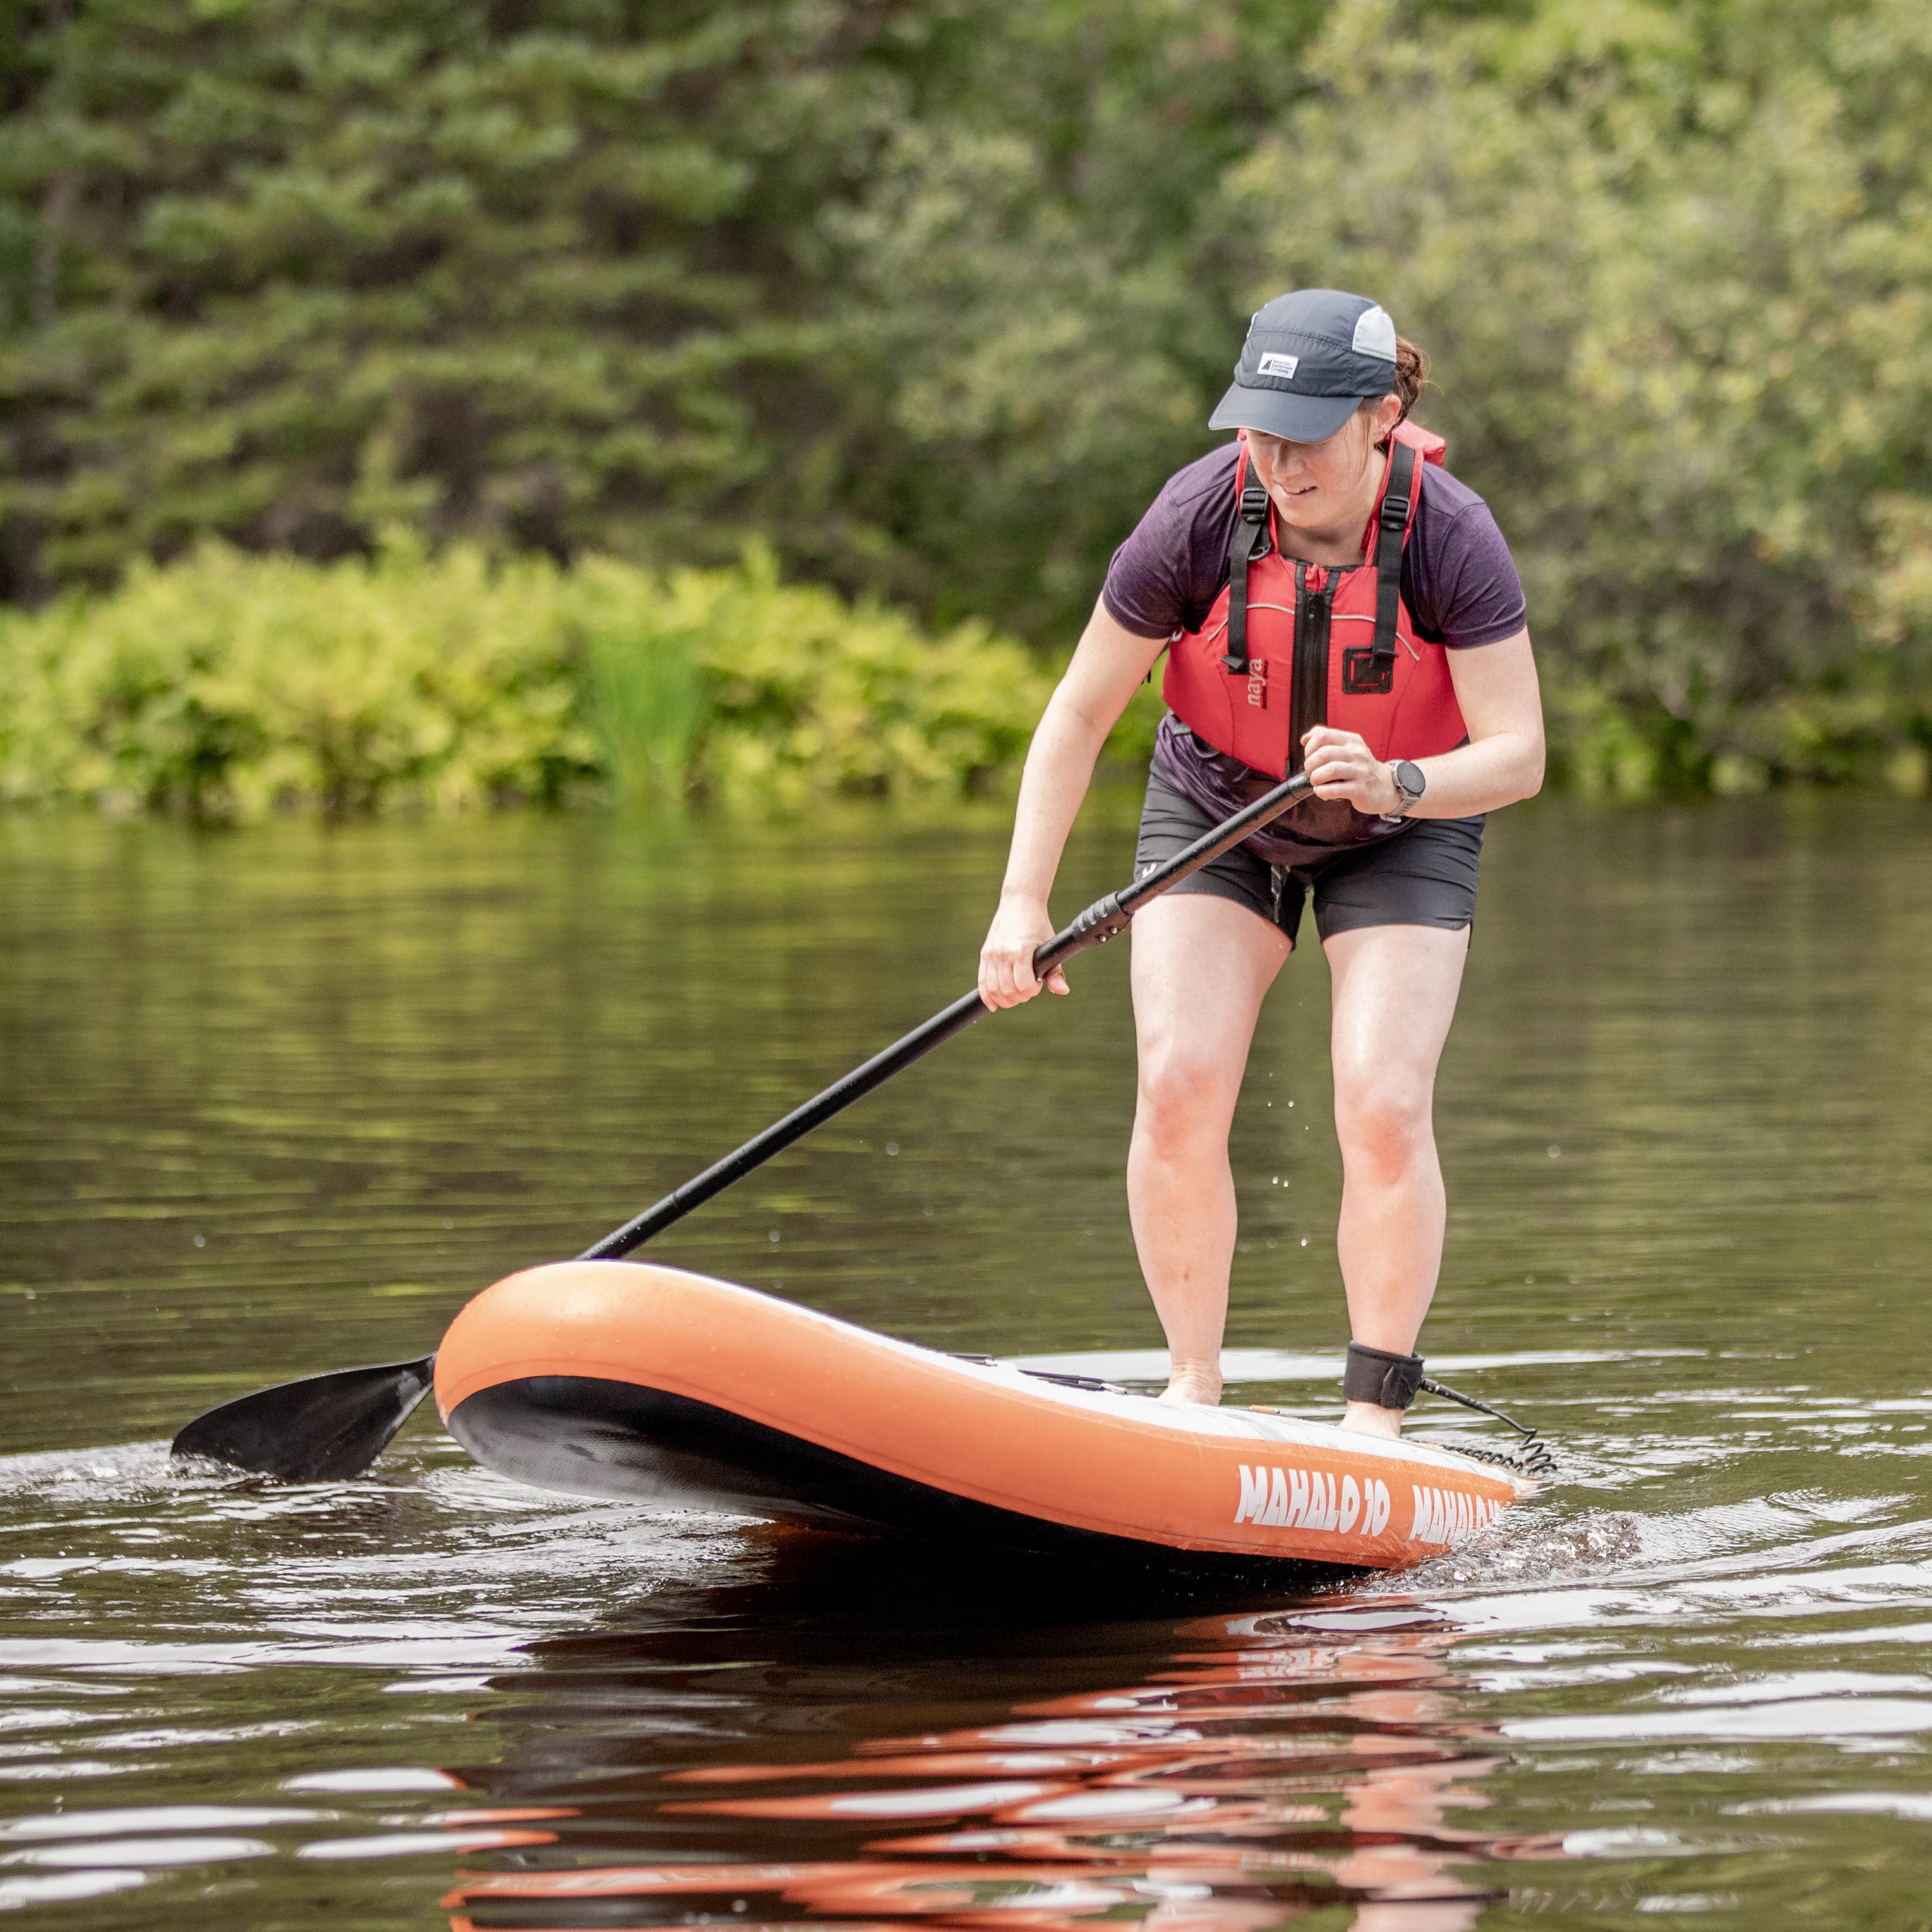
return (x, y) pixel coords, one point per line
(1374, 1374)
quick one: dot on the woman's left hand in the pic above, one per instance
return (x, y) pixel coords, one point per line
(1341, 765)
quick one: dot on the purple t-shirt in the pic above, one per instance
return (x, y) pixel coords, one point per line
(1458, 580)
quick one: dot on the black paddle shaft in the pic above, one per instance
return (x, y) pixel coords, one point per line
(1101, 921)
(330, 1427)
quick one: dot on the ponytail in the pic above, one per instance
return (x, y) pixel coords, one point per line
(1411, 378)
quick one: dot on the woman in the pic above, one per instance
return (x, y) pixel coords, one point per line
(1330, 597)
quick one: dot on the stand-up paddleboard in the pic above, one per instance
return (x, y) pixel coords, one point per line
(608, 1379)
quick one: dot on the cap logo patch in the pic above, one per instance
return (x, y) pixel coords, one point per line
(1374, 334)
(1283, 366)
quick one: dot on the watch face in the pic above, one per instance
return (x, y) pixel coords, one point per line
(1409, 779)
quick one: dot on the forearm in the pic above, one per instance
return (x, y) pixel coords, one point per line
(1482, 776)
(1109, 663)
(1059, 769)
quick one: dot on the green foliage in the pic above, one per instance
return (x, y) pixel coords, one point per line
(646, 703)
(805, 695)
(1673, 261)
(932, 296)
(233, 685)
(1670, 260)
(293, 270)
(1029, 278)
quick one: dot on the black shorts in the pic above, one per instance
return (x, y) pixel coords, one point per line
(1426, 876)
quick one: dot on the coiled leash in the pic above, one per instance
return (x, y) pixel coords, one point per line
(1393, 1382)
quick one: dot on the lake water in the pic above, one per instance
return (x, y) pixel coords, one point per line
(279, 1101)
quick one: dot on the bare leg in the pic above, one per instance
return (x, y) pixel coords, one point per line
(1394, 990)
(1201, 968)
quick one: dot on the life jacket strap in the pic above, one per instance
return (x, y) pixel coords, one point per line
(1249, 544)
(1374, 1374)
(1391, 532)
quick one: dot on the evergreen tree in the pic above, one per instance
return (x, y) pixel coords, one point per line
(543, 271)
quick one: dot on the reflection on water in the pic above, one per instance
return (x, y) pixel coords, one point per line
(281, 1101)
(1220, 1772)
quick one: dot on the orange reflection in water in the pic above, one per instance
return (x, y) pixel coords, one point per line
(1271, 1771)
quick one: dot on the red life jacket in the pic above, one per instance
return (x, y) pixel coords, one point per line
(1288, 645)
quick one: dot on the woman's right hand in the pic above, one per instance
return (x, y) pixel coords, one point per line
(1020, 928)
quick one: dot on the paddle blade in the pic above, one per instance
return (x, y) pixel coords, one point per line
(322, 1429)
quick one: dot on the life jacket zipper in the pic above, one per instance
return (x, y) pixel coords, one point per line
(1308, 698)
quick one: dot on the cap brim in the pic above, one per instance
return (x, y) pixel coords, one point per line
(1276, 413)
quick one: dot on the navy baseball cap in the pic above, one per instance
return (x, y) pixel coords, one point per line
(1309, 359)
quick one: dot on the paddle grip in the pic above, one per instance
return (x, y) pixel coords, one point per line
(1103, 920)
(1106, 919)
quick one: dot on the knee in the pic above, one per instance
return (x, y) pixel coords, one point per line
(1183, 1100)
(1385, 1126)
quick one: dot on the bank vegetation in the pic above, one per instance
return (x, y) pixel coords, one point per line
(926, 298)
(233, 686)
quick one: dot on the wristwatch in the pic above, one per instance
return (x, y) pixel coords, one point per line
(1410, 781)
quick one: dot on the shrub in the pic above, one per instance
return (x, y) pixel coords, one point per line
(235, 685)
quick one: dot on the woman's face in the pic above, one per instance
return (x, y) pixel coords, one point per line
(1325, 486)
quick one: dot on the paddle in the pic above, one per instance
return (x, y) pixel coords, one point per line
(327, 1428)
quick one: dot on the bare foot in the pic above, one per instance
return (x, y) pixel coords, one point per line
(1366, 1419)
(1192, 1384)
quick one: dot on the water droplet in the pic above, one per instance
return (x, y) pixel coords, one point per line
(892, 1147)
(201, 1240)
(774, 1235)
(1554, 1151)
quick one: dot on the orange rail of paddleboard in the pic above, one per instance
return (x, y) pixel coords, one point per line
(1233, 1481)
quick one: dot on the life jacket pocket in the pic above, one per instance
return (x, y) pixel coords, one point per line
(1364, 674)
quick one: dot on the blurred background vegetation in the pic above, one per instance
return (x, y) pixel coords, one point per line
(459, 400)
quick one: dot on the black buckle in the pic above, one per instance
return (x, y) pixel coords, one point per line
(1395, 511)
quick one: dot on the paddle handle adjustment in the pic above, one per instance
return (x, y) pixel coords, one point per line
(1106, 919)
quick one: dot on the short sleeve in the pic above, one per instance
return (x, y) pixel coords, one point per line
(1462, 583)
(1167, 574)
